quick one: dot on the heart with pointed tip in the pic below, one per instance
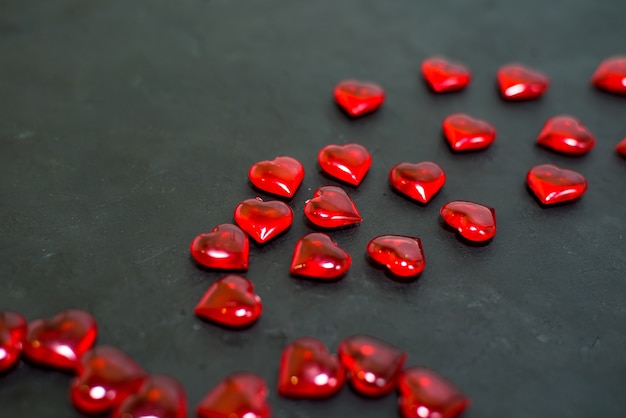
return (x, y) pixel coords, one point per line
(465, 133)
(241, 395)
(231, 302)
(473, 221)
(159, 397)
(372, 364)
(263, 221)
(552, 184)
(567, 135)
(309, 371)
(518, 82)
(424, 393)
(317, 256)
(403, 256)
(348, 163)
(13, 328)
(443, 75)
(226, 247)
(61, 341)
(611, 75)
(421, 181)
(331, 207)
(106, 377)
(358, 98)
(281, 176)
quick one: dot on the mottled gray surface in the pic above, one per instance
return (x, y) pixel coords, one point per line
(127, 127)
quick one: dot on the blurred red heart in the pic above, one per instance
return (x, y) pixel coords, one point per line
(359, 97)
(465, 133)
(160, 397)
(230, 301)
(308, 370)
(241, 395)
(443, 75)
(106, 377)
(61, 341)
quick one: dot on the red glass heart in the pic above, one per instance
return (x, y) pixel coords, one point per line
(567, 135)
(518, 82)
(552, 184)
(611, 75)
(426, 394)
(106, 377)
(372, 364)
(443, 75)
(12, 337)
(421, 181)
(403, 256)
(474, 222)
(359, 97)
(263, 221)
(230, 301)
(347, 163)
(241, 395)
(281, 176)
(226, 247)
(60, 342)
(317, 256)
(464, 133)
(621, 147)
(160, 397)
(308, 370)
(331, 207)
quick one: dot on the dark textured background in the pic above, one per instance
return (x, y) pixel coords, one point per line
(127, 127)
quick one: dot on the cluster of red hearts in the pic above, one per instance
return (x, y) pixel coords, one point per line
(307, 370)
(107, 380)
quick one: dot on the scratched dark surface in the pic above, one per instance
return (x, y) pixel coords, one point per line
(126, 128)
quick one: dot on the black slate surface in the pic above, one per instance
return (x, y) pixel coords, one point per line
(126, 128)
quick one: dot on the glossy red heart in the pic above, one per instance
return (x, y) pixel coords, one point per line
(567, 135)
(231, 302)
(261, 220)
(317, 256)
(226, 247)
(348, 163)
(421, 181)
(60, 342)
(552, 184)
(160, 397)
(424, 393)
(281, 176)
(106, 377)
(13, 329)
(611, 75)
(241, 395)
(443, 75)
(518, 82)
(621, 147)
(359, 97)
(475, 222)
(331, 207)
(308, 370)
(465, 133)
(372, 364)
(403, 256)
